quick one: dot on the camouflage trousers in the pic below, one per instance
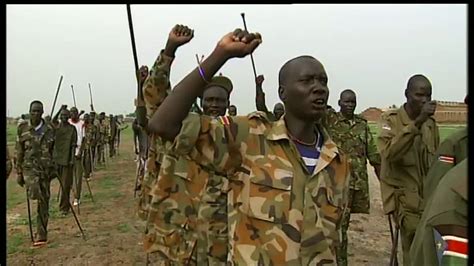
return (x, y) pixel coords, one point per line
(65, 174)
(87, 162)
(78, 172)
(38, 188)
(101, 153)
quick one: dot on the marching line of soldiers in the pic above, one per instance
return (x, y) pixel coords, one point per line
(62, 147)
(278, 188)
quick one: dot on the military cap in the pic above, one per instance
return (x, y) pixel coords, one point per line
(220, 81)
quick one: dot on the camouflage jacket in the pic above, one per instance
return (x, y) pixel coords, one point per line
(34, 149)
(103, 132)
(407, 153)
(188, 204)
(278, 212)
(354, 138)
(89, 133)
(94, 133)
(155, 88)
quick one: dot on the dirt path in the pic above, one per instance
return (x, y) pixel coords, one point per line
(114, 234)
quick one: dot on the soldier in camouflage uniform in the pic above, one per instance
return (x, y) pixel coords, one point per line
(191, 202)
(352, 135)
(155, 89)
(288, 182)
(35, 167)
(407, 144)
(89, 133)
(103, 137)
(441, 237)
(94, 136)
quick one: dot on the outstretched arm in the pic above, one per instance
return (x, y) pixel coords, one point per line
(167, 120)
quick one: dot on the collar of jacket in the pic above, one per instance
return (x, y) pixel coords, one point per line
(278, 131)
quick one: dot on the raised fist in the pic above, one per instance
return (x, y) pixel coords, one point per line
(239, 43)
(179, 35)
(259, 80)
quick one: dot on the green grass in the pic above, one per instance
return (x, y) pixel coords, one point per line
(15, 194)
(11, 134)
(444, 130)
(14, 242)
(106, 182)
(123, 228)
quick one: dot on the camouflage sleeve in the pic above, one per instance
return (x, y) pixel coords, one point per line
(209, 142)
(372, 152)
(20, 151)
(157, 85)
(392, 142)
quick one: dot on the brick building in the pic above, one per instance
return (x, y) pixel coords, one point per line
(446, 112)
(372, 114)
(451, 112)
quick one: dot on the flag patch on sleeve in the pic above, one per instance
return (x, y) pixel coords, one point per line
(446, 159)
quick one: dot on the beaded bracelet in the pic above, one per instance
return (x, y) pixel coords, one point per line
(201, 71)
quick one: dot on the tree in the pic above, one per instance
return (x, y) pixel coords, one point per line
(131, 115)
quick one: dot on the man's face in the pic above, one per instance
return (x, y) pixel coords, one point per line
(87, 118)
(92, 117)
(232, 110)
(214, 101)
(348, 103)
(36, 112)
(101, 117)
(64, 116)
(418, 95)
(278, 110)
(305, 92)
(74, 113)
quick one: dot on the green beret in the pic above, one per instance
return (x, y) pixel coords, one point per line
(220, 81)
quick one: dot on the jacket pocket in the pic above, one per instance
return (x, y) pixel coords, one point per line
(269, 198)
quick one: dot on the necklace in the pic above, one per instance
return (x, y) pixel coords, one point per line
(302, 142)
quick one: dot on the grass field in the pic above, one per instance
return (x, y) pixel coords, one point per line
(444, 130)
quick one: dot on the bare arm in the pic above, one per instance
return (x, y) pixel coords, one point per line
(166, 122)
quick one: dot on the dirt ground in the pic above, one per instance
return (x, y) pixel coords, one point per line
(113, 234)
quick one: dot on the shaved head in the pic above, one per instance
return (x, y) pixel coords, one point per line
(417, 79)
(347, 91)
(289, 66)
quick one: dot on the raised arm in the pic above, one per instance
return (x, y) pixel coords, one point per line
(167, 120)
(260, 95)
(157, 85)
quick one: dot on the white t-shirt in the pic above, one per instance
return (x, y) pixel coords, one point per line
(79, 125)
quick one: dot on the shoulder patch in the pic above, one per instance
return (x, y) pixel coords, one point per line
(446, 159)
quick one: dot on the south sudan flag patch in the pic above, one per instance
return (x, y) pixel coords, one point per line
(456, 250)
(446, 159)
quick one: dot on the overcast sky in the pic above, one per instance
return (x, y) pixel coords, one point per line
(372, 49)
